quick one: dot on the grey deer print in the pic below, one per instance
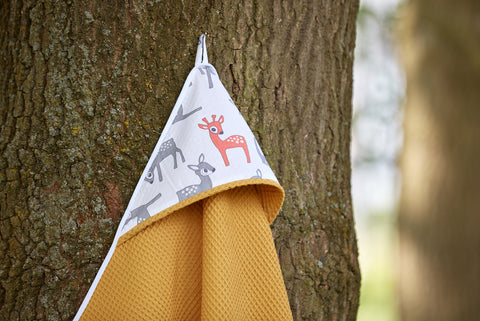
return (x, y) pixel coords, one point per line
(141, 213)
(202, 170)
(166, 149)
(260, 153)
(181, 116)
(258, 174)
(209, 71)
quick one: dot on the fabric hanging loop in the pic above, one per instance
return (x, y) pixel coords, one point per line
(202, 57)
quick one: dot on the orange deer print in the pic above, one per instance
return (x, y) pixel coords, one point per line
(214, 129)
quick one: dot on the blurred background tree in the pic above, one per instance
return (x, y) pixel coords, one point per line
(378, 95)
(439, 262)
(439, 255)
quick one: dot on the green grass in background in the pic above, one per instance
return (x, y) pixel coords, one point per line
(377, 253)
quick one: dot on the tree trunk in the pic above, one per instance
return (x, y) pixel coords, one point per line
(439, 216)
(87, 87)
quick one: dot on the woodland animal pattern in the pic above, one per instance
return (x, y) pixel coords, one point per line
(260, 153)
(203, 169)
(258, 174)
(141, 213)
(214, 129)
(181, 116)
(209, 71)
(166, 149)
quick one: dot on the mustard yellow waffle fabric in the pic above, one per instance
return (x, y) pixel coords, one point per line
(211, 260)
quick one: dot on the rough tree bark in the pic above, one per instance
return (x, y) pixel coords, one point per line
(439, 216)
(86, 89)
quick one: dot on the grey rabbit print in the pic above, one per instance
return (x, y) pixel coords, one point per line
(166, 149)
(203, 171)
(141, 213)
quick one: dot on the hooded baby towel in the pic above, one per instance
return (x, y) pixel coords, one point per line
(194, 242)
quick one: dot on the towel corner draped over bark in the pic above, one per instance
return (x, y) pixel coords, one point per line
(194, 242)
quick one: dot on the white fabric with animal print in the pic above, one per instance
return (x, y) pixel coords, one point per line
(205, 143)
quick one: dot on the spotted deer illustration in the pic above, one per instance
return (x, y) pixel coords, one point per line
(202, 170)
(141, 213)
(166, 149)
(215, 128)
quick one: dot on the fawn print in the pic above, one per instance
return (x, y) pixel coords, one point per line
(214, 129)
(209, 71)
(202, 170)
(166, 149)
(260, 153)
(141, 213)
(258, 174)
(181, 115)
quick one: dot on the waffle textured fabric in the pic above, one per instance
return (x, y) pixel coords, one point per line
(211, 260)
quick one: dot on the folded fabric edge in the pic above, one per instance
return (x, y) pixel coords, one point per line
(272, 195)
